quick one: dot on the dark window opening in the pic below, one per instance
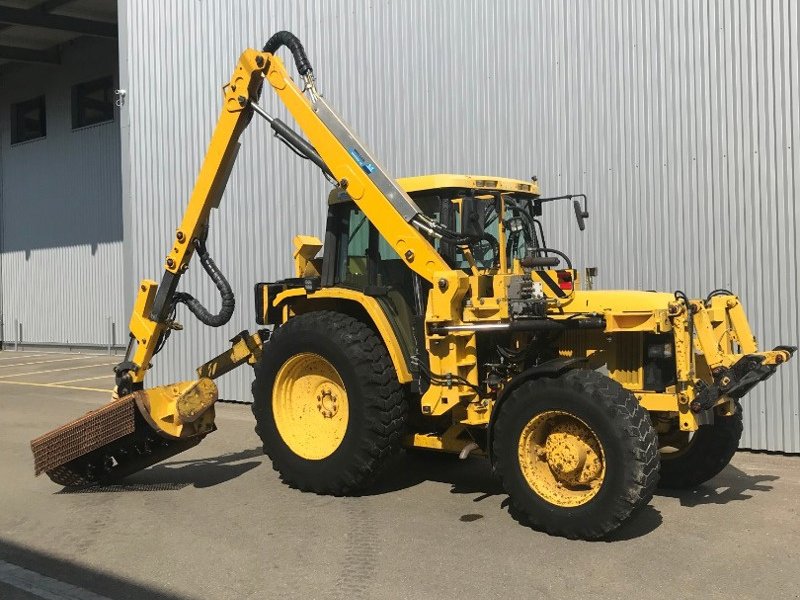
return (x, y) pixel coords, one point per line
(28, 120)
(92, 102)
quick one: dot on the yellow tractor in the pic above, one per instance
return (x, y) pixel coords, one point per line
(434, 316)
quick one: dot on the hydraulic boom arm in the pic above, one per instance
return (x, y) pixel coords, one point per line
(143, 427)
(332, 146)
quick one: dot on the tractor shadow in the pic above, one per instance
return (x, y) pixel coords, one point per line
(411, 468)
(731, 485)
(473, 477)
(178, 474)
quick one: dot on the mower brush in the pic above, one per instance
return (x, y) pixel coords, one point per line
(127, 435)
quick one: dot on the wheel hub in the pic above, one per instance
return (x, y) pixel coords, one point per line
(327, 403)
(570, 456)
(310, 406)
(561, 458)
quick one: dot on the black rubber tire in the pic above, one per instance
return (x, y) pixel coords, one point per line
(377, 407)
(624, 430)
(711, 449)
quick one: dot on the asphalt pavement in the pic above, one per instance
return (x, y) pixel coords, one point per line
(216, 522)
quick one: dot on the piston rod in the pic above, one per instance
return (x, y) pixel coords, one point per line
(526, 325)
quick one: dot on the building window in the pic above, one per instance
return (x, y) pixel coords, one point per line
(92, 102)
(27, 120)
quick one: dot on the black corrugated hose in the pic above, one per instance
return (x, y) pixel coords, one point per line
(225, 292)
(288, 39)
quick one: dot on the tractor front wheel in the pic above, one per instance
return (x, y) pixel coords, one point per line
(576, 454)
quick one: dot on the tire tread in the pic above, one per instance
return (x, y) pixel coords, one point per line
(708, 456)
(384, 404)
(634, 430)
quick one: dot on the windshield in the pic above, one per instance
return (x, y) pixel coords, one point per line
(500, 222)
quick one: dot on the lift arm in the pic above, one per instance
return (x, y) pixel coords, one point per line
(386, 205)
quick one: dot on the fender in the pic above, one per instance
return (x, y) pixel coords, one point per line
(550, 368)
(301, 301)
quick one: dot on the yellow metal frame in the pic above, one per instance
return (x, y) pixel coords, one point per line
(714, 330)
(251, 70)
(244, 83)
(410, 244)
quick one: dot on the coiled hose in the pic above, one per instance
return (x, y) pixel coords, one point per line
(225, 291)
(288, 39)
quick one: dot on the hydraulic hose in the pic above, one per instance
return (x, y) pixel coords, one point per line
(288, 39)
(554, 251)
(225, 292)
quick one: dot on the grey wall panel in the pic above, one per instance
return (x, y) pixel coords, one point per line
(679, 119)
(61, 233)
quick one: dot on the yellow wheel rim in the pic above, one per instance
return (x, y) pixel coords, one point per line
(310, 407)
(561, 459)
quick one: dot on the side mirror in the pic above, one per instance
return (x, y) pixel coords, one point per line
(581, 214)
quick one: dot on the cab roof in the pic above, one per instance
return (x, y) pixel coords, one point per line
(424, 183)
(445, 181)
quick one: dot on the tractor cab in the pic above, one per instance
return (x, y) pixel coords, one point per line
(501, 214)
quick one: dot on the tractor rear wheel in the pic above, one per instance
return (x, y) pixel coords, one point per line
(576, 454)
(327, 402)
(689, 460)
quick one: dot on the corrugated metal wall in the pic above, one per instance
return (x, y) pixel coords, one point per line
(61, 217)
(679, 119)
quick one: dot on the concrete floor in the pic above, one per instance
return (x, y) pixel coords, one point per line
(215, 522)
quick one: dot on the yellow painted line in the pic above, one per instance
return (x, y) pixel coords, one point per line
(84, 379)
(56, 370)
(53, 385)
(18, 355)
(44, 362)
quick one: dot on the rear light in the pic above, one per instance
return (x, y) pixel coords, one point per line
(565, 280)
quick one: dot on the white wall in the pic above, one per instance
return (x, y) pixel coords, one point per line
(61, 217)
(680, 120)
